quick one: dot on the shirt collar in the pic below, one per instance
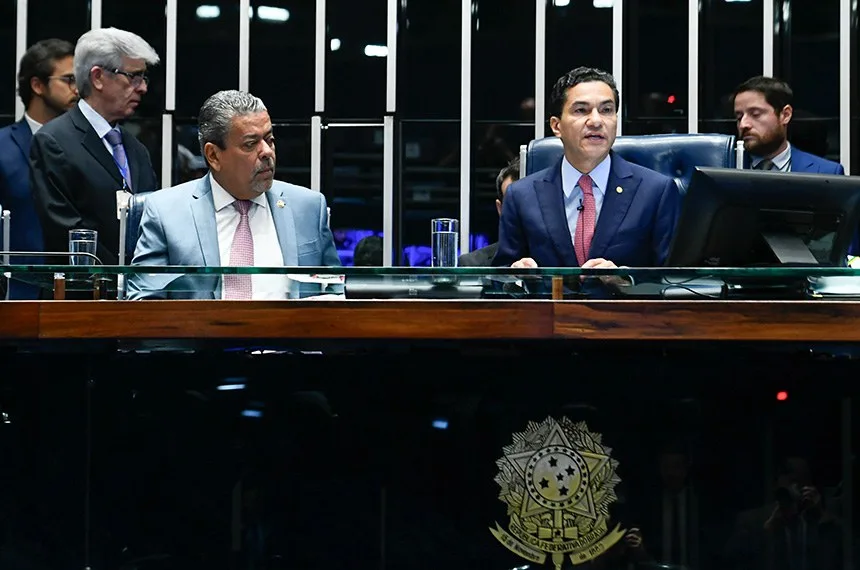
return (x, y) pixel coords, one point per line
(99, 124)
(599, 176)
(221, 198)
(779, 160)
(33, 123)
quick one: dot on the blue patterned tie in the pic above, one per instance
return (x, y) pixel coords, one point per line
(114, 137)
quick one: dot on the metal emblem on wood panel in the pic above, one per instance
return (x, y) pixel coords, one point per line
(558, 481)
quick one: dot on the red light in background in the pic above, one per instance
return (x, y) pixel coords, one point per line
(670, 99)
(782, 395)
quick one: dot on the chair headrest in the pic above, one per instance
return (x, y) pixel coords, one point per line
(675, 155)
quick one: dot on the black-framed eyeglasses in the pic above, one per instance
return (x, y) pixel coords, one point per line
(135, 78)
(67, 79)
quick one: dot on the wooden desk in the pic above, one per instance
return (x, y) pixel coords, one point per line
(434, 320)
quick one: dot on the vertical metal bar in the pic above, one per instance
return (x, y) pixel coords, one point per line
(170, 57)
(166, 150)
(693, 67)
(847, 487)
(316, 153)
(319, 59)
(767, 37)
(540, 68)
(169, 95)
(388, 191)
(95, 14)
(465, 121)
(20, 48)
(618, 55)
(244, 42)
(845, 84)
(391, 60)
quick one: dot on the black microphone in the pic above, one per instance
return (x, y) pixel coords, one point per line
(581, 207)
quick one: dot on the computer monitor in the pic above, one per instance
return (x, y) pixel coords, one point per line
(742, 218)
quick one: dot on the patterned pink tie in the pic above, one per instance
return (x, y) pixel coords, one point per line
(241, 255)
(586, 222)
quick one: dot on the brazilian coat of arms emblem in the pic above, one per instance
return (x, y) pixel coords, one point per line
(558, 481)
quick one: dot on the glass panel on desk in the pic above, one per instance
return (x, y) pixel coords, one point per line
(461, 283)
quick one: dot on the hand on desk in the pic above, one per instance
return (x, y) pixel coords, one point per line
(524, 263)
(610, 280)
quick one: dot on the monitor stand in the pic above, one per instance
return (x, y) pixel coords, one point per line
(789, 249)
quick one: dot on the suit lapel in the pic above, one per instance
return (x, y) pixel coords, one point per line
(203, 212)
(285, 226)
(615, 205)
(22, 136)
(550, 197)
(94, 144)
(802, 162)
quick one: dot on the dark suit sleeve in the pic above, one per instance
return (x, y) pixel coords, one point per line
(512, 239)
(665, 221)
(52, 196)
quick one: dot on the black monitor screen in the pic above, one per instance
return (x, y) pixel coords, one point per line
(737, 218)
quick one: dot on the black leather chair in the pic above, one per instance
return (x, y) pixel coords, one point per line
(675, 155)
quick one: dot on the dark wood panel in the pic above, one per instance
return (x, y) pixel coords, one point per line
(19, 319)
(309, 319)
(709, 320)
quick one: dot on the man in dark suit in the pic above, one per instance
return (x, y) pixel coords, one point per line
(80, 161)
(46, 85)
(763, 110)
(484, 257)
(592, 208)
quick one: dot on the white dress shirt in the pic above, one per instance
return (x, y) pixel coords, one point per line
(267, 248)
(33, 123)
(573, 193)
(99, 124)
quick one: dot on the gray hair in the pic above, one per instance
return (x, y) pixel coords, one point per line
(216, 115)
(106, 47)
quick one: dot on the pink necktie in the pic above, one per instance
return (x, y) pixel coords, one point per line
(586, 222)
(241, 255)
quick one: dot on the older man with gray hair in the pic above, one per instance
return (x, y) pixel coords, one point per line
(79, 161)
(237, 215)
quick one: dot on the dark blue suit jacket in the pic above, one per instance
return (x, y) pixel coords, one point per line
(635, 226)
(805, 162)
(15, 196)
(809, 163)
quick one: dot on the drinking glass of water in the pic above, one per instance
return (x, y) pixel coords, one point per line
(445, 235)
(83, 241)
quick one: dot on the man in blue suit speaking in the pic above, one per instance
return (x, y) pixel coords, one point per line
(592, 208)
(237, 215)
(763, 111)
(46, 85)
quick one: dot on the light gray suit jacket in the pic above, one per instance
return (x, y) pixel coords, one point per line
(178, 228)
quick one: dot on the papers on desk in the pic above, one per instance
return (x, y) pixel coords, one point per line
(834, 286)
(317, 278)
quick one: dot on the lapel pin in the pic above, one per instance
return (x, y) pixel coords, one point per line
(619, 189)
(279, 203)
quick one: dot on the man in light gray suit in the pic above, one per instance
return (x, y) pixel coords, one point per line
(236, 215)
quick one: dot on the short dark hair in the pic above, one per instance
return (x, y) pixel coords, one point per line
(38, 61)
(573, 78)
(776, 92)
(512, 170)
(368, 252)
